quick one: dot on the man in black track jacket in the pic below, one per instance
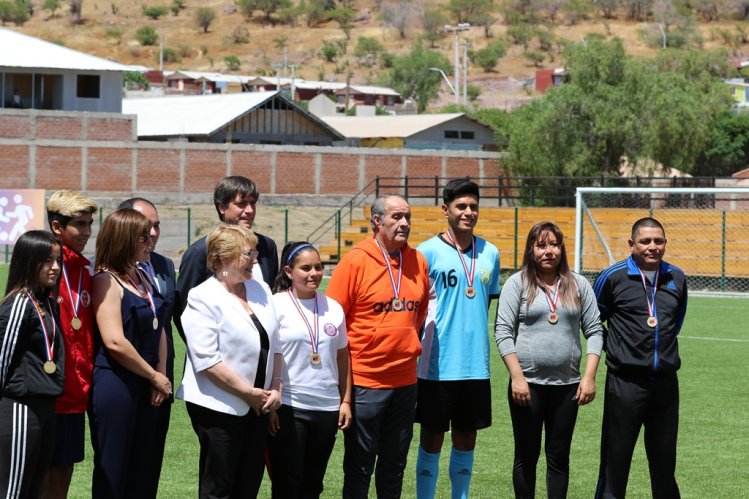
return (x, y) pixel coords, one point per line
(643, 301)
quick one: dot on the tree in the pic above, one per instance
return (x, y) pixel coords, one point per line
(617, 107)
(412, 78)
(52, 6)
(344, 16)
(146, 35)
(367, 46)
(398, 15)
(232, 62)
(433, 22)
(488, 56)
(728, 149)
(204, 16)
(76, 10)
(154, 11)
(267, 7)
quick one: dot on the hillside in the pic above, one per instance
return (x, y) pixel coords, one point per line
(108, 30)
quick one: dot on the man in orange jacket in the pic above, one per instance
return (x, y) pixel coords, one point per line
(383, 287)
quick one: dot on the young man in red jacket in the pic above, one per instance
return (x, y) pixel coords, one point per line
(70, 216)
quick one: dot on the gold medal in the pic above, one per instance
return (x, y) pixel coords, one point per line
(155, 323)
(75, 323)
(652, 321)
(553, 318)
(50, 367)
(470, 292)
(314, 358)
(397, 305)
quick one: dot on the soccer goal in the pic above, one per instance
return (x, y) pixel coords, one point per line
(707, 231)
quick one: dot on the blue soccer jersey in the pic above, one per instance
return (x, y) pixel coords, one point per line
(455, 345)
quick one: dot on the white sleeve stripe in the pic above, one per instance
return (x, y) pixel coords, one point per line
(11, 336)
(17, 450)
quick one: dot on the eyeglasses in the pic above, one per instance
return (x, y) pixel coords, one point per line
(144, 238)
(250, 255)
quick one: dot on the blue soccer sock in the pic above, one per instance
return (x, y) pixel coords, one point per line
(461, 469)
(427, 470)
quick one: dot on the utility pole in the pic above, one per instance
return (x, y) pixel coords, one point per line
(466, 43)
(456, 44)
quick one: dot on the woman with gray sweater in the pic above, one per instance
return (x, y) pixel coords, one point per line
(541, 310)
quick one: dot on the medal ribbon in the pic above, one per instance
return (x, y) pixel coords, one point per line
(469, 274)
(149, 295)
(649, 300)
(76, 302)
(396, 287)
(314, 334)
(49, 342)
(552, 300)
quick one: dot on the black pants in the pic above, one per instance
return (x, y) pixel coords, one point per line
(27, 438)
(382, 429)
(554, 410)
(232, 452)
(630, 403)
(300, 451)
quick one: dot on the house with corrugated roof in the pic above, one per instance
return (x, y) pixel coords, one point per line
(246, 118)
(367, 95)
(415, 131)
(36, 74)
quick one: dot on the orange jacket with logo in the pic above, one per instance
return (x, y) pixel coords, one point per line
(384, 343)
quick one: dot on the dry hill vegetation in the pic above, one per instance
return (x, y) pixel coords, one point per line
(532, 31)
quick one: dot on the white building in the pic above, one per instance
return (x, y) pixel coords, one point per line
(36, 74)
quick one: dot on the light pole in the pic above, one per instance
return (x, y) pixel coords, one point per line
(456, 44)
(447, 80)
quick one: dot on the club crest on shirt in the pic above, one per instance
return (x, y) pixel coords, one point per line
(485, 275)
(60, 299)
(85, 298)
(330, 329)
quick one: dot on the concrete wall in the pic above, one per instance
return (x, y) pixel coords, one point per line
(98, 153)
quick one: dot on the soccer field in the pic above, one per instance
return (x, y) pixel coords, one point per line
(713, 457)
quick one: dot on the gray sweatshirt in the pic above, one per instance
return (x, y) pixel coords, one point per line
(549, 354)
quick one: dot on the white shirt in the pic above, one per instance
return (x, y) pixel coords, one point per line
(218, 329)
(305, 385)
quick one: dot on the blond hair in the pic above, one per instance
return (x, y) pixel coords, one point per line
(227, 242)
(65, 205)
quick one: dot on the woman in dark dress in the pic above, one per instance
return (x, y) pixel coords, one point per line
(129, 358)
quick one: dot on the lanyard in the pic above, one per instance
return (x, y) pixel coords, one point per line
(49, 341)
(470, 274)
(149, 295)
(76, 302)
(314, 334)
(652, 317)
(551, 301)
(396, 286)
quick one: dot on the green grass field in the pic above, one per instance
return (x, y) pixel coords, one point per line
(712, 456)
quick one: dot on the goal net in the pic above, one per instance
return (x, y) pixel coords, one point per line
(707, 231)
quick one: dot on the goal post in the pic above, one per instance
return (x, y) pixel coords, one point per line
(707, 231)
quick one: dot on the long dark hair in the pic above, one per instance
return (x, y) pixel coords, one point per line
(29, 254)
(568, 292)
(289, 256)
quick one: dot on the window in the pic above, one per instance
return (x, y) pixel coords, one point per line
(462, 134)
(88, 86)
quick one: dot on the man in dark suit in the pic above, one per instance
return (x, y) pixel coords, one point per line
(160, 270)
(235, 198)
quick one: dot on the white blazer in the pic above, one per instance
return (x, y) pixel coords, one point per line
(218, 329)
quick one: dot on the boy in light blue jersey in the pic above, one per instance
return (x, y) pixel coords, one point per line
(454, 392)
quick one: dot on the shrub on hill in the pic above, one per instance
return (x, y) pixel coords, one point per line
(146, 35)
(154, 11)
